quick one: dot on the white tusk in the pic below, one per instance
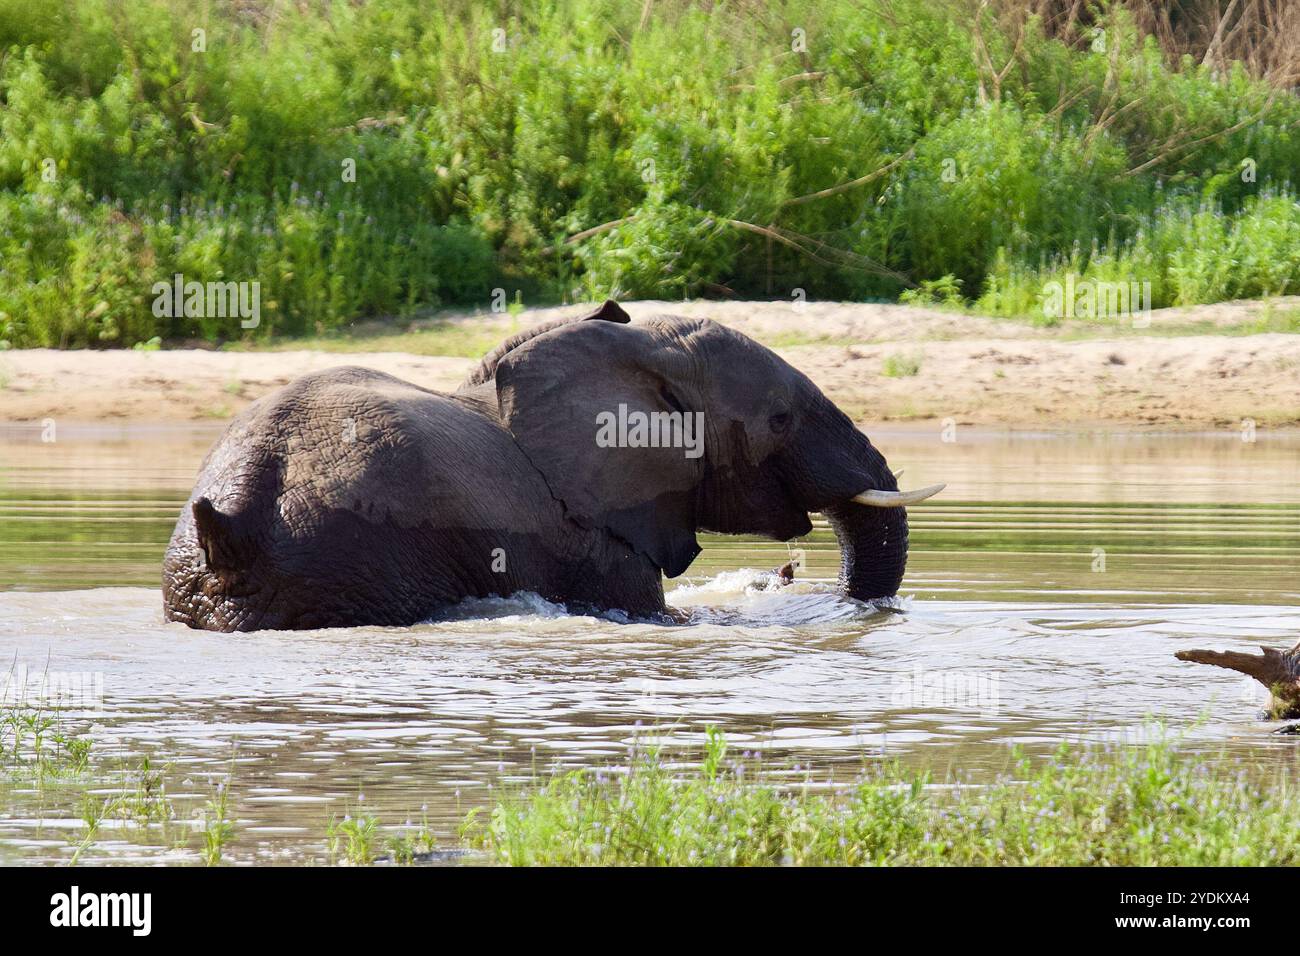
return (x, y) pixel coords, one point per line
(896, 499)
(898, 474)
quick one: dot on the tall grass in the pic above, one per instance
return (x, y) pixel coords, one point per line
(34, 743)
(850, 150)
(1190, 252)
(1141, 805)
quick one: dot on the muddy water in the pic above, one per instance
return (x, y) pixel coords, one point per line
(1047, 591)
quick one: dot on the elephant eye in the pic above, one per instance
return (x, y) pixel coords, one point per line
(779, 422)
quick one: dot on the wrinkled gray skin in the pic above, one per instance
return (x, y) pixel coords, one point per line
(350, 497)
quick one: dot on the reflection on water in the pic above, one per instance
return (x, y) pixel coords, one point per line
(1046, 593)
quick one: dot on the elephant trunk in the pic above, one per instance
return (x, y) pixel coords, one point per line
(872, 540)
(852, 485)
(873, 548)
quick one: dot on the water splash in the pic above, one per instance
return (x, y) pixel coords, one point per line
(760, 598)
(521, 604)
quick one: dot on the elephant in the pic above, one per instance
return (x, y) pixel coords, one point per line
(577, 461)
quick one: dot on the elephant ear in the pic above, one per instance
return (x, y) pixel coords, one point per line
(611, 311)
(558, 395)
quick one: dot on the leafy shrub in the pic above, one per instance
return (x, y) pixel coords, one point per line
(994, 178)
(667, 250)
(945, 290)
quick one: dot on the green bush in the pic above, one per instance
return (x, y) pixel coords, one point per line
(667, 251)
(847, 151)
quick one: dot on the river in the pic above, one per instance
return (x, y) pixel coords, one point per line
(1047, 590)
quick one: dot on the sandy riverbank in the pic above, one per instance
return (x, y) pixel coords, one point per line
(1182, 372)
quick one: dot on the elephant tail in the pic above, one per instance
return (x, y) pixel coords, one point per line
(228, 543)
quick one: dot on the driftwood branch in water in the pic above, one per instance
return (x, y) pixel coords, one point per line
(1279, 671)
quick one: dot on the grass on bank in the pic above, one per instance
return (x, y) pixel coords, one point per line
(1139, 805)
(459, 339)
(390, 157)
(1127, 805)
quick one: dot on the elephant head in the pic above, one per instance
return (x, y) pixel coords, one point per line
(655, 430)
